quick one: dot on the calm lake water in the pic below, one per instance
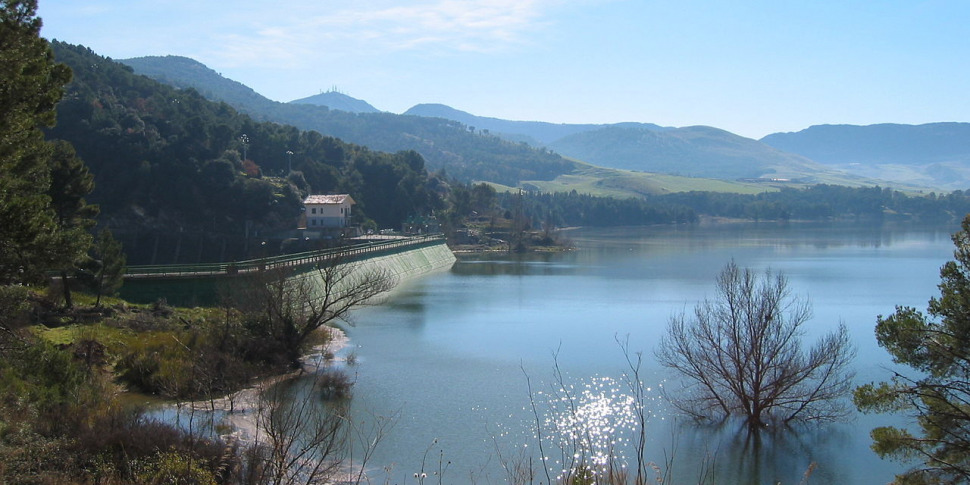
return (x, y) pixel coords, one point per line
(452, 354)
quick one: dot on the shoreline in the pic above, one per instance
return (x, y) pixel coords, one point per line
(241, 407)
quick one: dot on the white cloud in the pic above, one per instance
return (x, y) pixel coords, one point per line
(297, 34)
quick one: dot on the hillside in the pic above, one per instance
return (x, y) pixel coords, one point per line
(182, 72)
(616, 183)
(338, 101)
(183, 179)
(532, 132)
(934, 154)
(169, 163)
(445, 145)
(697, 151)
(882, 143)
(470, 148)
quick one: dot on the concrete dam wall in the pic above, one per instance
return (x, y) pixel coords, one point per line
(413, 263)
(193, 288)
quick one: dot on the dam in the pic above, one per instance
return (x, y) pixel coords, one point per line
(201, 284)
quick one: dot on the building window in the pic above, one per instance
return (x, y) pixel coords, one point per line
(313, 210)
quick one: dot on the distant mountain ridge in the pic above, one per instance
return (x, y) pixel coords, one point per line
(534, 132)
(934, 154)
(339, 101)
(697, 151)
(509, 152)
(881, 143)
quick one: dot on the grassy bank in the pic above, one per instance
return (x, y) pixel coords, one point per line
(73, 383)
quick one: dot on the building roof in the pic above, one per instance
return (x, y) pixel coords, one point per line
(329, 199)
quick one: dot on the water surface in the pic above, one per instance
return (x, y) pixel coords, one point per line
(453, 354)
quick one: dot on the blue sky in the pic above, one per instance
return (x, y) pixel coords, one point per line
(750, 67)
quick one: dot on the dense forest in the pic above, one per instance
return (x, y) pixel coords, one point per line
(816, 203)
(460, 151)
(574, 209)
(169, 160)
(828, 202)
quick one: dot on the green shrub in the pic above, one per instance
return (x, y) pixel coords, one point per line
(171, 468)
(138, 447)
(14, 313)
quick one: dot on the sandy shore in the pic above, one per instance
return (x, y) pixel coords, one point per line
(241, 407)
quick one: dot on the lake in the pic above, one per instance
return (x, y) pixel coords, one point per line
(452, 355)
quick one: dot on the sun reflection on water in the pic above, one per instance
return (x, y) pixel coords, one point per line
(593, 425)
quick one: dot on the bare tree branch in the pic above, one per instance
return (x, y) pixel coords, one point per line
(291, 306)
(740, 354)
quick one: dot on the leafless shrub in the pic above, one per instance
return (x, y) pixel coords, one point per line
(334, 384)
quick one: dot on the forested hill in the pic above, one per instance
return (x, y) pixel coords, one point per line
(170, 160)
(445, 144)
(182, 72)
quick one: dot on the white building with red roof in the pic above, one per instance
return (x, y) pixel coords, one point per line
(327, 211)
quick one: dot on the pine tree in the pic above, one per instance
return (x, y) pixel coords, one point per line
(937, 394)
(104, 271)
(30, 86)
(70, 182)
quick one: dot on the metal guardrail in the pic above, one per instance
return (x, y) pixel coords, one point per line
(289, 260)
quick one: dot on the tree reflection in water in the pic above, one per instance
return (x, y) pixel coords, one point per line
(734, 453)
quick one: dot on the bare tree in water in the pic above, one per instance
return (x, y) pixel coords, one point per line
(741, 355)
